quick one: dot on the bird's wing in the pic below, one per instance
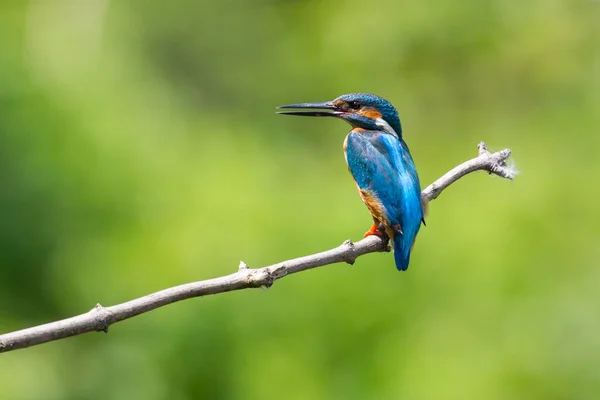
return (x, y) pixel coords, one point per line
(383, 167)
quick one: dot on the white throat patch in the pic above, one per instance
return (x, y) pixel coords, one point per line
(386, 127)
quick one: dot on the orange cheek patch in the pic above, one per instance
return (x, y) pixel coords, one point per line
(370, 113)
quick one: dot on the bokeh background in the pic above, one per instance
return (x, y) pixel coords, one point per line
(139, 149)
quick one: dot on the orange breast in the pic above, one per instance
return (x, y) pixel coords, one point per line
(373, 204)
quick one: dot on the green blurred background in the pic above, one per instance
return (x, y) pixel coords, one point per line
(139, 149)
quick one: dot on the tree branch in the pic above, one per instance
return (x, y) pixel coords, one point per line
(100, 318)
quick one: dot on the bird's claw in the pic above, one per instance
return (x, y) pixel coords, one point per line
(377, 230)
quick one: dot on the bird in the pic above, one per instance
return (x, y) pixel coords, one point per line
(381, 165)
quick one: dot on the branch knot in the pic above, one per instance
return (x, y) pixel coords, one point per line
(102, 318)
(349, 252)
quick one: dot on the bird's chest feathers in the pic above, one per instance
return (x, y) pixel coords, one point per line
(378, 159)
(363, 147)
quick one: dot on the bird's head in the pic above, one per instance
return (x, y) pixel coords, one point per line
(361, 110)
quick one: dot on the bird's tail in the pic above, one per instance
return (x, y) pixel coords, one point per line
(401, 251)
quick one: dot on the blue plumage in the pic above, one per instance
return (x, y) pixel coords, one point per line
(382, 167)
(381, 164)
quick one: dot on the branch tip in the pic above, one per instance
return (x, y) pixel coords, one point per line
(482, 148)
(242, 266)
(505, 154)
(502, 165)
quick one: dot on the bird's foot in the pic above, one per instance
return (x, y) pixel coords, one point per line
(377, 230)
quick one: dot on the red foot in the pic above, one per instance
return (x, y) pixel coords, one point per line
(374, 230)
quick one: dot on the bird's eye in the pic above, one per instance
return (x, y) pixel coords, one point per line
(355, 105)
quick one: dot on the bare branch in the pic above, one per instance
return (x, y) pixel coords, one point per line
(494, 163)
(100, 318)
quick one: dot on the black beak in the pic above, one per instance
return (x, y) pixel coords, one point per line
(322, 106)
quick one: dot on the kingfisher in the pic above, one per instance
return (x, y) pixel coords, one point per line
(380, 163)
